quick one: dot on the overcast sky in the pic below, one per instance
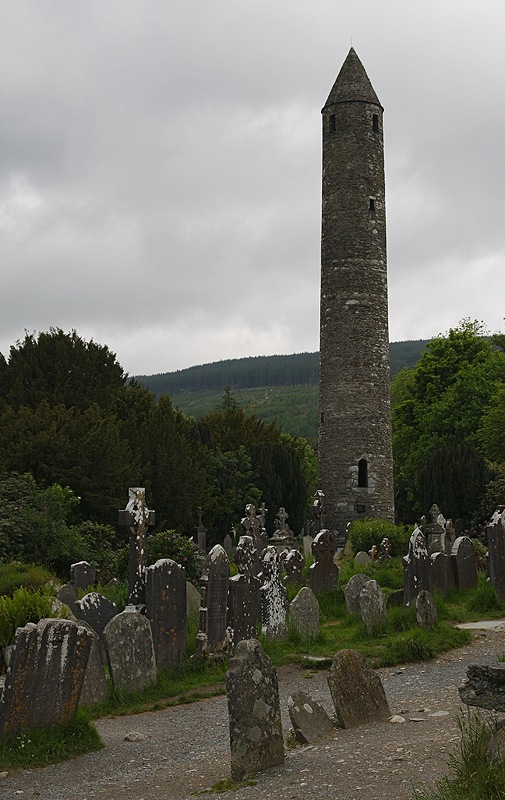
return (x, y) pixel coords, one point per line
(161, 169)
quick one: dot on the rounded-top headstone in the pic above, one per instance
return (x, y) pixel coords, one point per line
(352, 592)
(304, 613)
(426, 611)
(372, 606)
(362, 557)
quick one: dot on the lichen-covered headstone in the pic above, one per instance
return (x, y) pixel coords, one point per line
(417, 568)
(273, 597)
(193, 600)
(426, 611)
(372, 606)
(324, 571)
(130, 651)
(227, 545)
(82, 575)
(352, 593)
(463, 561)
(138, 518)
(212, 636)
(356, 690)
(304, 613)
(243, 597)
(67, 594)
(294, 564)
(254, 711)
(395, 599)
(308, 718)
(166, 611)
(96, 610)
(94, 688)
(495, 532)
(307, 545)
(362, 558)
(443, 573)
(45, 675)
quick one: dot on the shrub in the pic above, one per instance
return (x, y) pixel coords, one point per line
(167, 544)
(367, 532)
(15, 574)
(24, 606)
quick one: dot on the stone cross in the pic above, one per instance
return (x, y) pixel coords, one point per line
(138, 518)
(318, 510)
(281, 520)
(251, 526)
(418, 572)
(201, 533)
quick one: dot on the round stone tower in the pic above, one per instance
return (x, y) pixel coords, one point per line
(355, 452)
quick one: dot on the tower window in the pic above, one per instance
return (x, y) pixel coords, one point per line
(375, 123)
(363, 473)
(372, 207)
(322, 417)
(333, 123)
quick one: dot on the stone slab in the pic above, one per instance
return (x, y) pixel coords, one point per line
(308, 718)
(130, 652)
(304, 613)
(356, 691)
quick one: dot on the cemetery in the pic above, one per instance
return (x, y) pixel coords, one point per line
(263, 606)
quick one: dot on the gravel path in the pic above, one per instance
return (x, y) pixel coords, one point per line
(186, 748)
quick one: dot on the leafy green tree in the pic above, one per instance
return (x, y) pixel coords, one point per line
(491, 433)
(231, 428)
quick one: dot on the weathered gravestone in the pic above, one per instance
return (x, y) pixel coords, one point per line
(130, 652)
(251, 526)
(294, 564)
(308, 718)
(273, 597)
(385, 546)
(495, 532)
(138, 518)
(166, 611)
(67, 594)
(45, 675)
(283, 537)
(254, 711)
(434, 532)
(352, 592)
(212, 637)
(362, 557)
(395, 599)
(82, 575)
(193, 601)
(324, 571)
(464, 564)
(94, 688)
(201, 533)
(372, 607)
(227, 545)
(417, 568)
(317, 513)
(96, 610)
(357, 692)
(304, 613)
(485, 686)
(307, 545)
(443, 573)
(426, 611)
(243, 596)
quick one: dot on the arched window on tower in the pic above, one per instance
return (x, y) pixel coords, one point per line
(333, 123)
(375, 123)
(363, 473)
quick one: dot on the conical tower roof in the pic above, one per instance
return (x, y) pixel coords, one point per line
(352, 84)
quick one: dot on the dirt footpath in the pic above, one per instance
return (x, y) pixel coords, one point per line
(185, 749)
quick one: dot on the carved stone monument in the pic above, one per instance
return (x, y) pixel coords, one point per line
(138, 518)
(324, 571)
(166, 611)
(212, 637)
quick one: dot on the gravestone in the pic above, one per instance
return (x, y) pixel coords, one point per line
(352, 592)
(485, 686)
(434, 533)
(304, 613)
(385, 546)
(201, 533)
(243, 595)
(254, 711)
(45, 675)
(212, 637)
(356, 691)
(262, 522)
(251, 527)
(464, 564)
(166, 611)
(227, 545)
(273, 597)
(417, 568)
(324, 571)
(283, 537)
(67, 594)
(138, 518)
(307, 545)
(96, 610)
(450, 536)
(426, 611)
(94, 687)
(308, 718)
(294, 564)
(372, 606)
(395, 599)
(130, 652)
(318, 513)
(443, 573)
(495, 533)
(82, 575)
(193, 601)
(362, 558)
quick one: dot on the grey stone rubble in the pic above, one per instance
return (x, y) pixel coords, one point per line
(304, 613)
(352, 592)
(426, 611)
(309, 719)
(485, 686)
(130, 652)
(372, 607)
(256, 741)
(166, 611)
(356, 691)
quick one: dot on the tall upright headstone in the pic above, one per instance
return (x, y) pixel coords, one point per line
(418, 572)
(324, 571)
(355, 450)
(243, 594)
(138, 518)
(212, 637)
(273, 597)
(166, 611)
(495, 532)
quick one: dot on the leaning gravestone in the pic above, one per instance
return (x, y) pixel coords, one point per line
(45, 675)
(94, 687)
(130, 652)
(324, 571)
(254, 711)
(426, 611)
(443, 573)
(273, 597)
(463, 561)
(244, 592)
(212, 637)
(372, 606)
(352, 592)
(294, 564)
(166, 611)
(356, 691)
(82, 575)
(308, 718)
(304, 613)
(96, 610)
(417, 568)
(495, 532)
